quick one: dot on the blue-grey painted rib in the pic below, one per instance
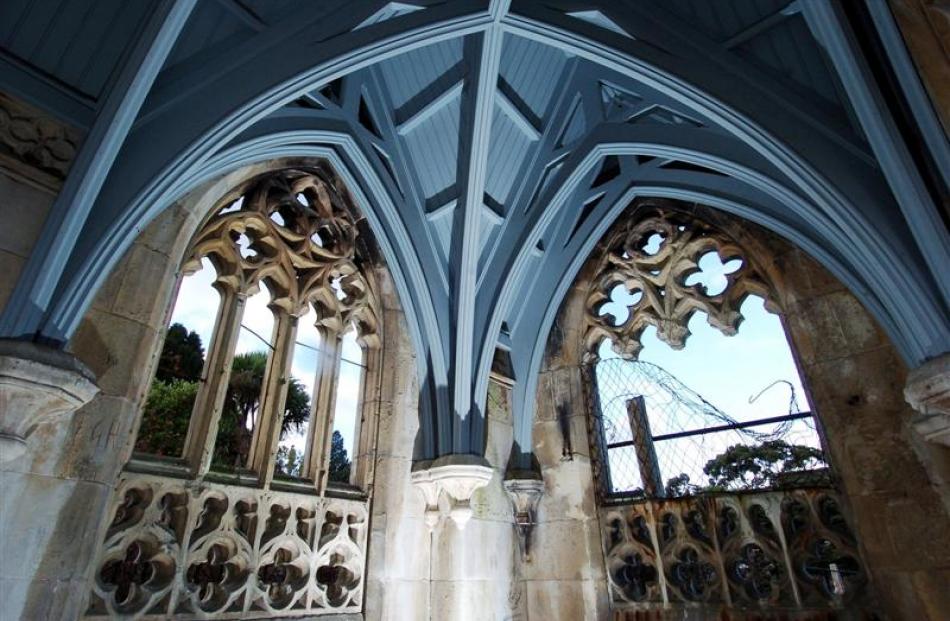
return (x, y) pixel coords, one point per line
(90, 167)
(921, 215)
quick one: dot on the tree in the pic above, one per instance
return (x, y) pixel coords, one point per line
(182, 356)
(339, 461)
(680, 486)
(242, 402)
(289, 462)
(759, 465)
(171, 398)
(165, 417)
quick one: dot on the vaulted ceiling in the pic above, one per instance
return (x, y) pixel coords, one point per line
(491, 144)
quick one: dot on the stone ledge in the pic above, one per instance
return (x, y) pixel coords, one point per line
(928, 392)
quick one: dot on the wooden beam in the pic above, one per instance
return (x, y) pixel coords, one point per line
(474, 166)
(830, 27)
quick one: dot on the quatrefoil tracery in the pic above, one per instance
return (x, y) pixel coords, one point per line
(293, 232)
(652, 268)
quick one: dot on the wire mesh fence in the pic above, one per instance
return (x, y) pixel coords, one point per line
(659, 438)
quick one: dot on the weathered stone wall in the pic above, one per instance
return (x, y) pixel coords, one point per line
(894, 481)
(566, 577)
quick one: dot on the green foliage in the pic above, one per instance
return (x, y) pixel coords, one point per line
(680, 486)
(165, 417)
(243, 399)
(760, 465)
(182, 355)
(289, 462)
(171, 398)
(339, 461)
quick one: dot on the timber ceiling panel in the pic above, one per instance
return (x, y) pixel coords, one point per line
(78, 43)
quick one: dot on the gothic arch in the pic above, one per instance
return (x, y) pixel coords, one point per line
(191, 118)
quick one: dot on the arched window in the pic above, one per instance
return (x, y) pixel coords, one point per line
(685, 401)
(246, 494)
(264, 331)
(710, 469)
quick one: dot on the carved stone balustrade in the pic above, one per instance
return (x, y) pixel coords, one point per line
(181, 550)
(776, 551)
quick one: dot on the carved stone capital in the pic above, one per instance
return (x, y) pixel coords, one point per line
(37, 385)
(928, 392)
(430, 494)
(525, 495)
(457, 476)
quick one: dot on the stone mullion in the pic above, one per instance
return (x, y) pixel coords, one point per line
(209, 403)
(273, 397)
(317, 457)
(775, 514)
(368, 408)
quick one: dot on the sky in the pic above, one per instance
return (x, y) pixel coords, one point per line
(728, 372)
(196, 309)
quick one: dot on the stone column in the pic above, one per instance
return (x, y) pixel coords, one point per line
(928, 391)
(40, 390)
(421, 564)
(473, 548)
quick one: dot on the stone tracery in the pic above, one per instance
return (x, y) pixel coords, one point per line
(184, 550)
(653, 257)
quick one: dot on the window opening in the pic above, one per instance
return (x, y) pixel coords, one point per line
(294, 437)
(275, 311)
(348, 405)
(240, 414)
(171, 397)
(727, 412)
(273, 280)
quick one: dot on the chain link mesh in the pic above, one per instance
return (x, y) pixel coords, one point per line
(662, 439)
